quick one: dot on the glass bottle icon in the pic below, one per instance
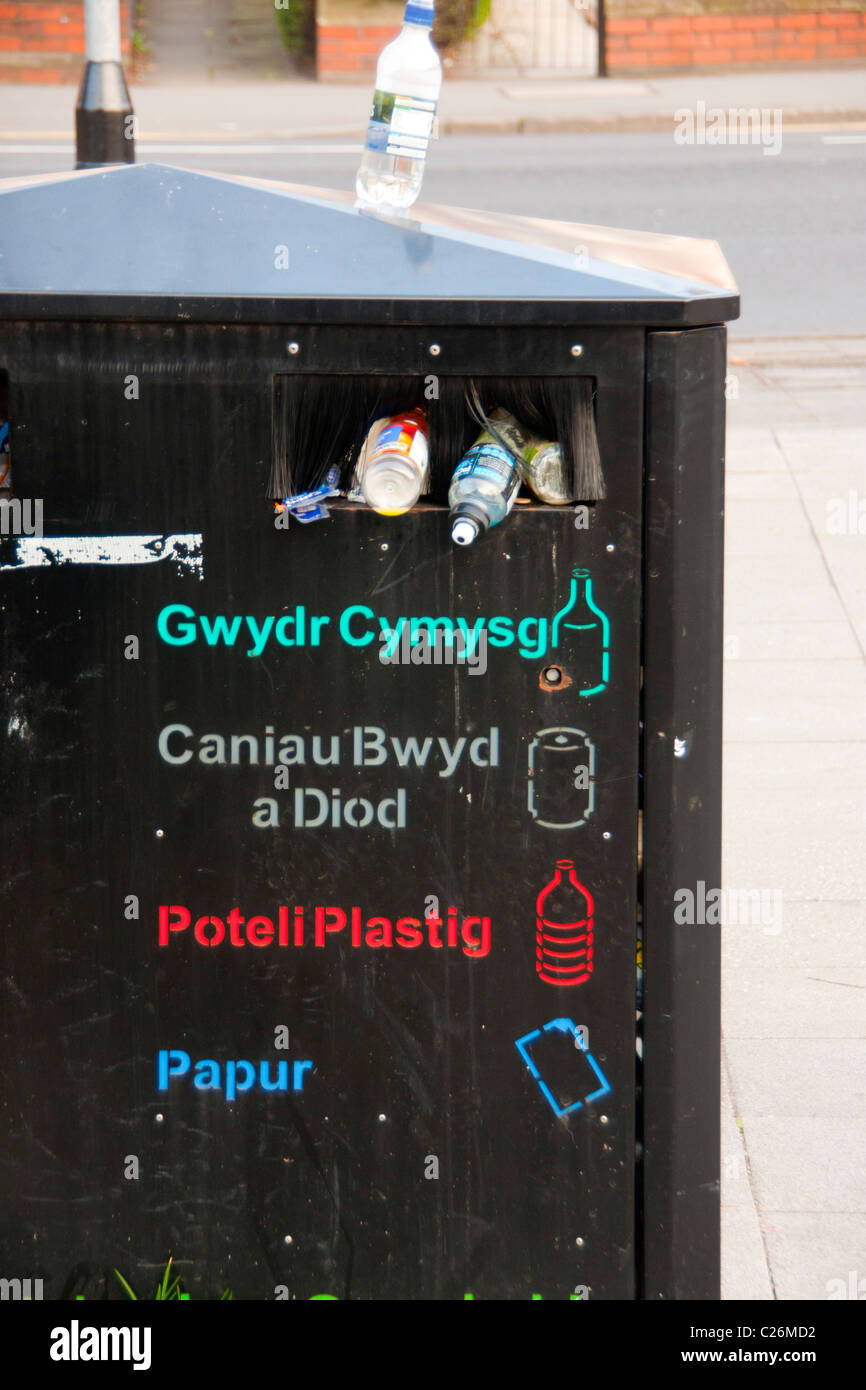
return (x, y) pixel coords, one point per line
(563, 929)
(582, 628)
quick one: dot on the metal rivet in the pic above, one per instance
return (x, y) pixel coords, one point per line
(579, 1240)
(607, 835)
(287, 1240)
(603, 1119)
(384, 545)
(577, 350)
(160, 834)
(552, 674)
(435, 349)
(159, 1119)
(294, 349)
(382, 1118)
(610, 548)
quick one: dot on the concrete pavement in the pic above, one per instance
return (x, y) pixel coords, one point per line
(301, 109)
(794, 1113)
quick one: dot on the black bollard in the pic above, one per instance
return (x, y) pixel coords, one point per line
(104, 122)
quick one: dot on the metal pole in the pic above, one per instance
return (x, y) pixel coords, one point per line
(602, 40)
(104, 122)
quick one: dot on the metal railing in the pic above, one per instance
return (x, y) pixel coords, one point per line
(534, 38)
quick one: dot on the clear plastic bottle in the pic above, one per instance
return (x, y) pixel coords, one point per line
(408, 82)
(356, 491)
(544, 472)
(485, 483)
(395, 470)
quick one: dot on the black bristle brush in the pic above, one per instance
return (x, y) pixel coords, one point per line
(452, 432)
(557, 408)
(318, 424)
(321, 422)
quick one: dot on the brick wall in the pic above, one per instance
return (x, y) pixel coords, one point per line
(44, 42)
(691, 42)
(347, 52)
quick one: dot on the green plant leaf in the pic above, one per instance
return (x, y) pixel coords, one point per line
(130, 1293)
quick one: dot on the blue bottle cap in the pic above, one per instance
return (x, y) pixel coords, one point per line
(419, 12)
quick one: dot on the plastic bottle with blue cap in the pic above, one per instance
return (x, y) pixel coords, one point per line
(408, 82)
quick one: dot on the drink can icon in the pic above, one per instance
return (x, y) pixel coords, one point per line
(561, 778)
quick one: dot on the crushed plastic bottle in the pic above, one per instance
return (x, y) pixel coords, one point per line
(544, 472)
(310, 506)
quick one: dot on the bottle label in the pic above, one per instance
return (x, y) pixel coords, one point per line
(509, 429)
(404, 435)
(490, 461)
(400, 125)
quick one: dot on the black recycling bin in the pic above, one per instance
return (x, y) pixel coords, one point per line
(329, 971)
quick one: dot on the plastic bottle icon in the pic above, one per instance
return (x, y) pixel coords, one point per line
(563, 932)
(583, 631)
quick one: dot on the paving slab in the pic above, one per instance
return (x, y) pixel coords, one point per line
(806, 1165)
(795, 701)
(775, 530)
(809, 1005)
(207, 98)
(753, 450)
(798, 640)
(817, 1256)
(745, 1271)
(816, 935)
(761, 487)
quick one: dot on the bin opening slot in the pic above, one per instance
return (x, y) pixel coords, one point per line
(320, 422)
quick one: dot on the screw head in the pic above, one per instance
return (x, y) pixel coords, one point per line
(294, 349)
(434, 349)
(577, 350)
